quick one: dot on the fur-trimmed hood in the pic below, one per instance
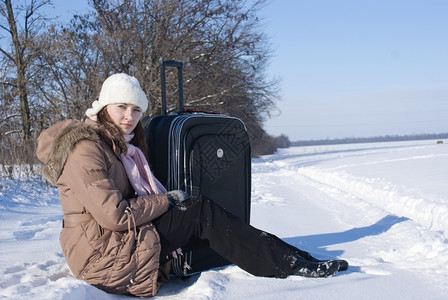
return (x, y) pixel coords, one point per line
(55, 144)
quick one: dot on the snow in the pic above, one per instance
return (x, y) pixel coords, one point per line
(381, 206)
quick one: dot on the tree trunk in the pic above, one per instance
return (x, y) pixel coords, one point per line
(21, 73)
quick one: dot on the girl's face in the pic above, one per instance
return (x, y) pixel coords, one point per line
(125, 116)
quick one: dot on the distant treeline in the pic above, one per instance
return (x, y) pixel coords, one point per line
(387, 138)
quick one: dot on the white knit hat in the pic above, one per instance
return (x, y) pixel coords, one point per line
(119, 88)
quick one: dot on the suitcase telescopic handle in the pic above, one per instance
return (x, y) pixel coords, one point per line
(179, 66)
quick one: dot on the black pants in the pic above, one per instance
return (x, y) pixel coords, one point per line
(201, 221)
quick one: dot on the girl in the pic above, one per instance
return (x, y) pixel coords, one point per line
(121, 226)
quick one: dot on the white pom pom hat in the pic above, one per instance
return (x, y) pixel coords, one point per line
(119, 88)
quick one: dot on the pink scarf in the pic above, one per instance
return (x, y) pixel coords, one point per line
(138, 171)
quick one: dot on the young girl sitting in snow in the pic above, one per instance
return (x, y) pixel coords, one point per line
(120, 224)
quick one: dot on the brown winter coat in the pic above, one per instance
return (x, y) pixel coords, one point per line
(107, 236)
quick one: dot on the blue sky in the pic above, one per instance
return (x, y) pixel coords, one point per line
(359, 68)
(355, 68)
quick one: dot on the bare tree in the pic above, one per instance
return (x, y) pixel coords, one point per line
(220, 42)
(224, 51)
(19, 53)
(68, 77)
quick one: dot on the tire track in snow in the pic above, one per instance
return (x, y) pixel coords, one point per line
(425, 210)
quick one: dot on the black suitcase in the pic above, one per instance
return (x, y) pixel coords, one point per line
(200, 153)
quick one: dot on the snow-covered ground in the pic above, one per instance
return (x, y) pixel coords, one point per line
(381, 206)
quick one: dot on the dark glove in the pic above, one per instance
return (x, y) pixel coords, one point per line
(176, 197)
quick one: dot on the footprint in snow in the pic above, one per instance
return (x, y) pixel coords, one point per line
(26, 234)
(35, 226)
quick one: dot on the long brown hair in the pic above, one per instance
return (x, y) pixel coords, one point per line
(115, 133)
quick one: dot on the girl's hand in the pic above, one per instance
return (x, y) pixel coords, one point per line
(175, 253)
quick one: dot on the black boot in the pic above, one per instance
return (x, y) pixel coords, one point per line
(343, 264)
(315, 269)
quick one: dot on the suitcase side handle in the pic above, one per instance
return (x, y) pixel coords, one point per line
(179, 66)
